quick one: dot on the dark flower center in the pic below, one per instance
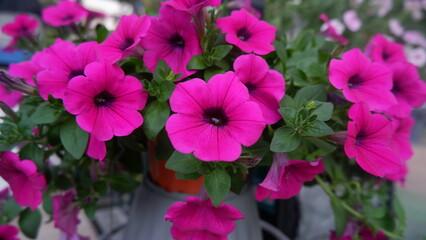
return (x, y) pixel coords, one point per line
(243, 34)
(104, 99)
(355, 81)
(75, 73)
(177, 41)
(251, 87)
(385, 56)
(126, 43)
(396, 88)
(215, 116)
(360, 137)
(67, 18)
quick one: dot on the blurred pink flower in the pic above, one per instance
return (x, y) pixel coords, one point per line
(27, 70)
(382, 6)
(362, 80)
(23, 26)
(199, 219)
(380, 49)
(247, 32)
(24, 180)
(352, 21)
(96, 149)
(416, 56)
(10, 97)
(415, 38)
(9, 232)
(400, 142)
(333, 29)
(65, 13)
(266, 87)
(193, 7)
(368, 141)
(125, 40)
(246, 4)
(65, 212)
(395, 27)
(219, 112)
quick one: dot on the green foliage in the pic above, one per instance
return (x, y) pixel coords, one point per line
(218, 184)
(74, 138)
(101, 33)
(155, 117)
(122, 182)
(29, 222)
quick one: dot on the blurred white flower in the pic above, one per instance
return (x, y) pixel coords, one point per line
(415, 8)
(383, 6)
(352, 21)
(416, 56)
(336, 24)
(414, 38)
(395, 27)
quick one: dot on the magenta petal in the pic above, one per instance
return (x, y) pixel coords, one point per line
(96, 149)
(9, 232)
(378, 160)
(65, 212)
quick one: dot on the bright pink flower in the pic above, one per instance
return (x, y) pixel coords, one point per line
(266, 87)
(24, 26)
(199, 219)
(352, 21)
(368, 141)
(219, 112)
(362, 80)
(330, 31)
(286, 177)
(246, 4)
(380, 49)
(105, 101)
(409, 90)
(400, 175)
(62, 61)
(24, 180)
(400, 142)
(65, 212)
(96, 149)
(367, 234)
(8, 232)
(192, 6)
(65, 13)
(28, 69)
(173, 38)
(247, 32)
(125, 40)
(10, 97)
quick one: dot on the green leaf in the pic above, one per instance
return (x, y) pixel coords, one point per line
(63, 182)
(101, 33)
(399, 211)
(122, 182)
(237, 181)
(281, 51)
(47, 204)
(33, 152)
(289, 115)
(183, 163)
(155, 117)
(325, 111)
(317, 128)
(90, 210)
(314, 92)
(218, 184)
(162, 71)
(340, 215)
(285, 140)
(297, 76)
(166, 89)
(287, 101)
(74, 138)
(197, 62)
(221, 51)
(45, 114)
(323, 145)
(211, 71)
(11, 209)
(29, 222)
(100, 187)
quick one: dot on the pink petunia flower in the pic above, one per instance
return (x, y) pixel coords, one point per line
(382, 50)
(286, 177)
(24, 180)
(362, 80)
(331, 30)
(246, 4)
(65, 13)
(266, 87)
(105, 101)
(62, 61)
(9, 232)
(408, 89)
(125, 40)
(27, 70)
(96, 149)
(199, 219)
(401, 133)
(400, 175)
(352, 21)
(368, 141)
(23, 26)
(193, 7)
(65, 212)
(173, 38)
(245, 31)
(10, 97)
(219, 112)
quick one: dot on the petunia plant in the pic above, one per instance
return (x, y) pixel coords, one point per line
(215, 91)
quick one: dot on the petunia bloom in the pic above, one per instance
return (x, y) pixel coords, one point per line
(368, 141)
(193, 7)
(380, 49)
(62, 61)
(333, 29)
(362, 80)
(286, 177)
(65, 212)
(266, 87)
(199, 219)
(105, 101)
(9, 232)
(172, 38)
(23, 26)
(65, 13)
(246, 4)
(219, 112)
(24, 180)
(245, 31)
(125, 40)
(10, 97)
(27, 70)
(96, 149)
(401, 134)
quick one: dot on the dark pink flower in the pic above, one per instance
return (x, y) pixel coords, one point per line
(286, 177)
(247, 32)
(65, 13)
(401, 133)
(96, 149)
(105, 101)
(173, 38)
(24, 180)
(27, 70)
(380, 49)
(246, 4)
(8, 232)
(62, 61)
(65, 212)
(266, 87)
(10, 97)
(199, 219)
(125, 40)
(368, 141)
(330, 31)
(219, 112)
(192, 6)
(362, 80)
(23, 26)
(11, 46)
